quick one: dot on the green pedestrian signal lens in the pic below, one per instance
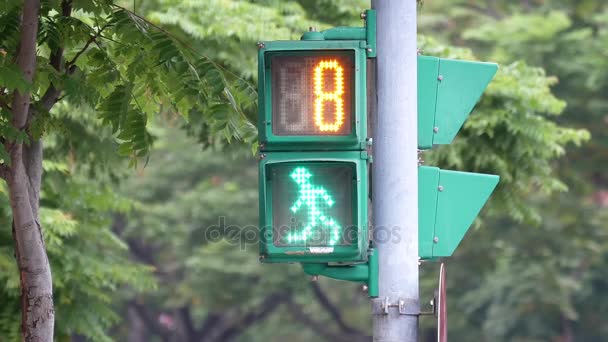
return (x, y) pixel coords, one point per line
(312, 204)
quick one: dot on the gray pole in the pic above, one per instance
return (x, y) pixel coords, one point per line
(395, 173)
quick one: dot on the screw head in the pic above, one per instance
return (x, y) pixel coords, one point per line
(314, 278)
(440, 78)
(260, 45)
(440, 188)
(435, 239)
(436, 129)
(364, 288)
(363, 15)
(369, 49)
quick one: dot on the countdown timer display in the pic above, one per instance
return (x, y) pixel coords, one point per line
(312, 95)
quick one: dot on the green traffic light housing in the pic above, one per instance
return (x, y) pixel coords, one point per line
(313, 207)
(312, 93)
(313, 140)
(309, 96)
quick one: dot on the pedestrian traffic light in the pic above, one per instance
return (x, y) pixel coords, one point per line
(314, 142)
(313, 146)
(313, 206)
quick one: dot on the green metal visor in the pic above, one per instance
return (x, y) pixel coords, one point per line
(312, 207)
(312, 95)
(448, 202)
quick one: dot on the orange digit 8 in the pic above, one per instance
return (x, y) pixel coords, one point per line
(321, 96)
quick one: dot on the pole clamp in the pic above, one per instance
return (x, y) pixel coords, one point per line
(382, 305)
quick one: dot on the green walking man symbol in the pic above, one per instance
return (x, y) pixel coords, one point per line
(317, 202)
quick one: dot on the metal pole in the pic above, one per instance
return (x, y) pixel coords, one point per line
(395, 173)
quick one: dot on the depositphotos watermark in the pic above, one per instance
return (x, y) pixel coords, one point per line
(248, 236)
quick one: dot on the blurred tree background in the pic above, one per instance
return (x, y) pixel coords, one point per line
(167, 251)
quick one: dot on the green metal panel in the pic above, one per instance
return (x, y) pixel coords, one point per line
(366, 273)
(344, 33)
(372, 281)
(461, 86)
(365, 34)
(271, 142)
(428, 180)
(356, 252)
(461, 199)
(448, 90)
(370, 32)
(428, 70)
(449, 201)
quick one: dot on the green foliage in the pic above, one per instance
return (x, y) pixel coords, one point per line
(88, 260)
(129, 70)
(513, 282)
(107, 58)
(337, 12)
(567, 38)
(9, 27)
(187, 206)
(11, 78)
(229, 29)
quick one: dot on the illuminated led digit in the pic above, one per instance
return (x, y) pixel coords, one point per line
(336, 96)
(313, 198)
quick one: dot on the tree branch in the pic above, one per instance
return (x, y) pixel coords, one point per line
(320, 328)
(4, 169)
(55, 60)
(149, 321)
(92, 38)
(26, 60)
(267, 306)
(333, 311)
(489, 11)
(49, 98)
(208, 326)
(57, 55)
(38, 314)
(3, 104)
(184, 44)
(32, 160)
(140, 251)
(184, 313)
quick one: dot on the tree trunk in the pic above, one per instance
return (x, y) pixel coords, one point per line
(23, 178)
(137, 328)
